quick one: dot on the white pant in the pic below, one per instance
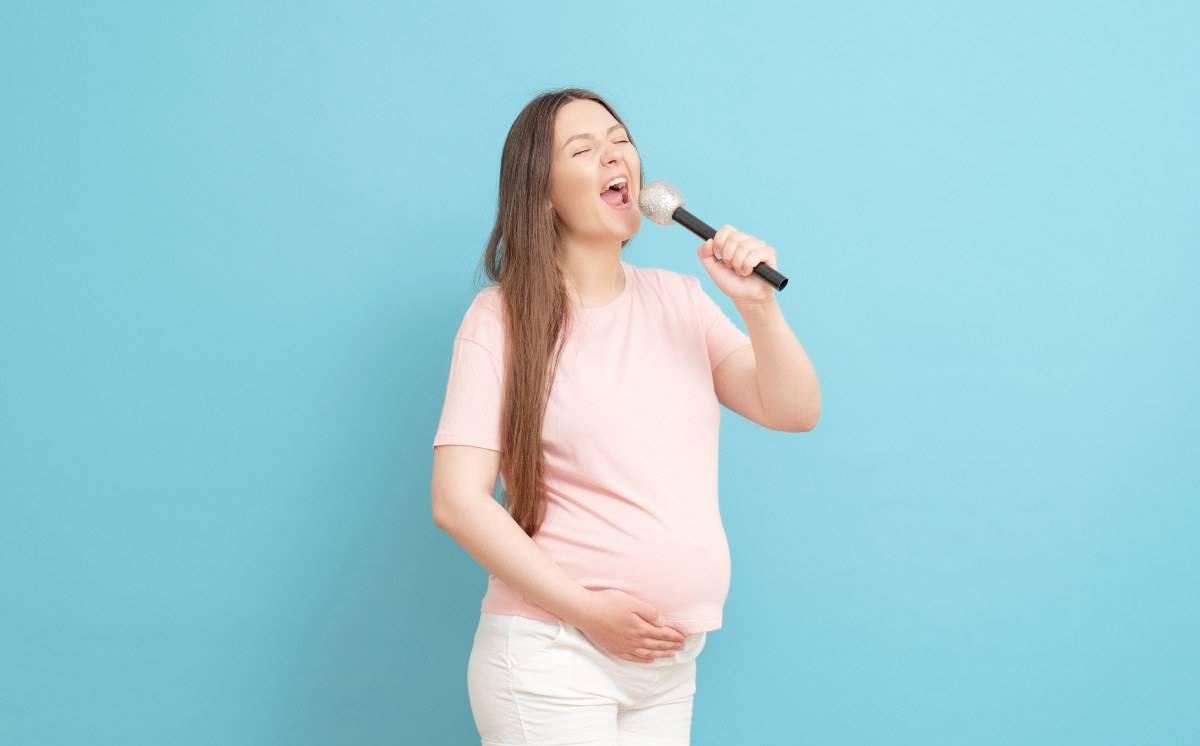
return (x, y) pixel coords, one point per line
(544, 683)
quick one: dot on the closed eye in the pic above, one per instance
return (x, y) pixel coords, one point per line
(587, 149)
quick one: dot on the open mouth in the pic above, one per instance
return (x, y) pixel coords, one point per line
(617, 197)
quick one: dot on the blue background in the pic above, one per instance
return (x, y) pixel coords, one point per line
(237, 240)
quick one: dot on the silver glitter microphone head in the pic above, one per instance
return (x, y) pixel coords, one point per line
(658, 201)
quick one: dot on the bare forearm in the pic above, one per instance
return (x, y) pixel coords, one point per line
(489, 534)
(787, 381)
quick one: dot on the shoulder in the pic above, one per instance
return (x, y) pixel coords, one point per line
(667, 283)
(483, 321)
(487, 301)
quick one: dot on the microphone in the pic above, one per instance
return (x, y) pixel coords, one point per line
(663, 204)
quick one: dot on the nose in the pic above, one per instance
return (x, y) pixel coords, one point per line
(610, 154)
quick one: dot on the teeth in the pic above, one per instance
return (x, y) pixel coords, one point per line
(618, 180)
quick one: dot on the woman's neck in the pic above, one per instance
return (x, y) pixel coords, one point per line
(594, 278)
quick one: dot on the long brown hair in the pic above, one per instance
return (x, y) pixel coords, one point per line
(523, 259)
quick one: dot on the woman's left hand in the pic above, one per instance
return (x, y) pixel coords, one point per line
(730, 258)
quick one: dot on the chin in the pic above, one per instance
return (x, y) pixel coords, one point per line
(626, 233)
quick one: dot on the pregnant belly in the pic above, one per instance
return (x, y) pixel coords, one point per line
(685, 576)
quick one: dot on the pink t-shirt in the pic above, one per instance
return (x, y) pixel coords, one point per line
(630, 440)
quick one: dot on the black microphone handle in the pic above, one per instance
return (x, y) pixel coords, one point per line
(705, 231)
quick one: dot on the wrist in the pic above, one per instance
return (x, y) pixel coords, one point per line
(578, 607)
(767, 306)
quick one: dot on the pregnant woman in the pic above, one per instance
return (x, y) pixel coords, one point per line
(592, 388)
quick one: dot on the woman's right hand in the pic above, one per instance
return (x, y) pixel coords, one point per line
(626, 627)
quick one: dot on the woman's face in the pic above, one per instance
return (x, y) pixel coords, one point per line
(583, 166)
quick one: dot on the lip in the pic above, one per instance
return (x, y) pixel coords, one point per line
(628, 191)
(613, 176)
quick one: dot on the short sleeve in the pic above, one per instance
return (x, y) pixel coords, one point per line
(474, 389)
(721, 335)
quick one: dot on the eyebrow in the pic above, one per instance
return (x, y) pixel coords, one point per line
(590, 137)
